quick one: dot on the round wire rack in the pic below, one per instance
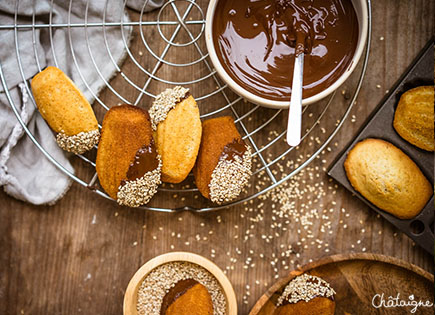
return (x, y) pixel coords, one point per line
(169, 48)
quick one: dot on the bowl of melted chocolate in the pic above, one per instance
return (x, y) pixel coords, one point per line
(252, 45)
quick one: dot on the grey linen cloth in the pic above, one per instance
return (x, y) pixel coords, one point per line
(25, 173)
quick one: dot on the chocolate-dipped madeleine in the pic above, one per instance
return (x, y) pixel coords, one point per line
(128, 165)
(308, 295)
(66, 110)
(175, 120)
(187, 297)
(223, 166)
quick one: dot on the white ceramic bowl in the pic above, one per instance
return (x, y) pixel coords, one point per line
(361, 10)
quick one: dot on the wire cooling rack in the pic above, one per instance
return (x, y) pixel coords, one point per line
(170, 36)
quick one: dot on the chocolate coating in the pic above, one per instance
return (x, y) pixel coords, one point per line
(174, 293)
(256, 42)
(144, 161)
(233, 149)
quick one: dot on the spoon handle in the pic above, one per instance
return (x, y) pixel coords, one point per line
(295, 112)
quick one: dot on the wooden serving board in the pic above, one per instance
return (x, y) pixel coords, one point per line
(357, 278)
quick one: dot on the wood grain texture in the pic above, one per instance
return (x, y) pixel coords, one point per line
(357, 279)
(79, 255)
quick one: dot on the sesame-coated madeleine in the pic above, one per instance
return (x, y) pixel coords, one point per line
(66, 110)
(187, 297)
(128, 166)
(223, 166)
(308, 295)
(175, 120)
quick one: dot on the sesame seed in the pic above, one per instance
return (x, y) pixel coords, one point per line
(79, 143)
(305, 288)
(134, 193)
(229, 177)
(164, 102)
(160, 280)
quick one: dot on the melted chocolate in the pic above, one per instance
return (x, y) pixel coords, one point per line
(174, 293)
(233, 149)
(185, 97)
(257, 41)
(144, 161)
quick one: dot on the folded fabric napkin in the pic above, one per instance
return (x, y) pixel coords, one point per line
(25, 173)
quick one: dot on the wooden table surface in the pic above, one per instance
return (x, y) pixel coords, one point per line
(79, 255)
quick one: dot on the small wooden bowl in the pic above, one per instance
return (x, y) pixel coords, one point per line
(130, 297)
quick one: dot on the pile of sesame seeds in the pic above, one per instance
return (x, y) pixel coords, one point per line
(230, 176)
(160, 280)
(134, 193)
(305, 288)
(79, 143)
(164, 102)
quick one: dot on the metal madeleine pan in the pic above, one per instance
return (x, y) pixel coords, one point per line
(380, 125)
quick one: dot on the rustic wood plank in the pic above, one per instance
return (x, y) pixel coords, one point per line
(79, 255)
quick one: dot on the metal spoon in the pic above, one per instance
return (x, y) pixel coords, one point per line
(294, 124)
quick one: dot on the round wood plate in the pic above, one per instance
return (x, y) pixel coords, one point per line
(357, 278)
(130, 297)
